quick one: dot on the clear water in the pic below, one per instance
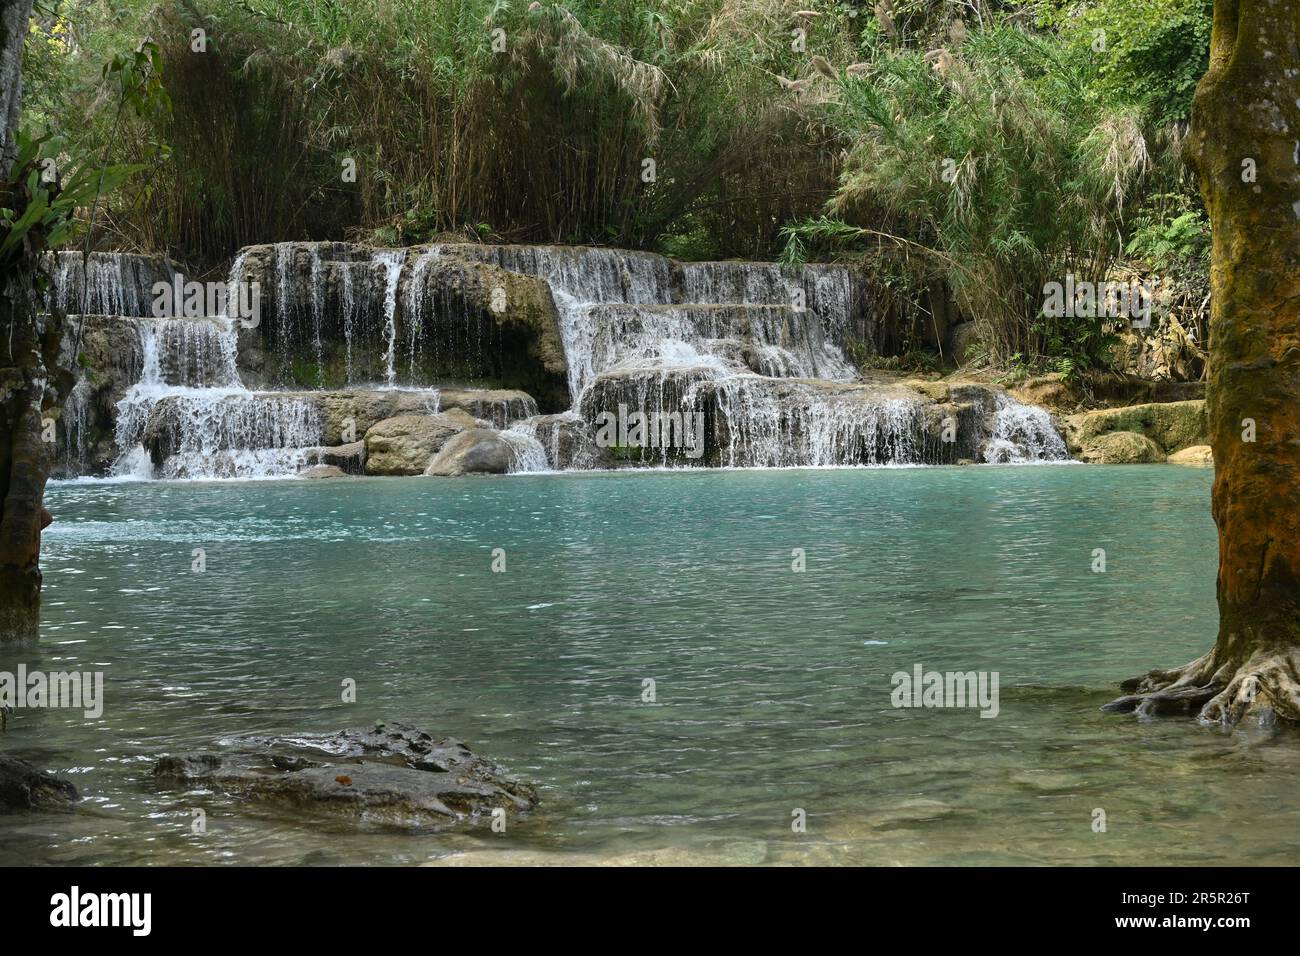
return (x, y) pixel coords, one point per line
(773, 688)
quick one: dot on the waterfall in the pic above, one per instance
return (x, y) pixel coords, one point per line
(191, 405)
(76, 425)
(527, 453)
(108, 283)
(413, 306)
(753, 346)
(1022, 433)
(752, 352)
(317, 306)
(391, 260)
(348, 306)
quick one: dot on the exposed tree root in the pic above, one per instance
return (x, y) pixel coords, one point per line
(1264, 689)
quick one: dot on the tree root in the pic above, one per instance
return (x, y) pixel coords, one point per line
(1264, 689)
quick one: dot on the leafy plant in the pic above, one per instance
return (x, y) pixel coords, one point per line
(1179, 244)
(37, 211)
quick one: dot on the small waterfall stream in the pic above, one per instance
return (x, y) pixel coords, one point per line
(214, 427)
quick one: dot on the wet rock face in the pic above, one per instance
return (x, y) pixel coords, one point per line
(569, 442)
(24, 786)
(387, 775)
(103, 354)
(348, 458)
(337, 314)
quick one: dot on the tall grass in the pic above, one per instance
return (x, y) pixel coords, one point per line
(985, 166)
(537, 133)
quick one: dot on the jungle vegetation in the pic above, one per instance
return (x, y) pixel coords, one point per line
(966, 151)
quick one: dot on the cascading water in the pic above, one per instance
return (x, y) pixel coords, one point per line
(752, 345)
(751, 349)
(106, 283)
(413, 308)
(1021, 434)
(391, 260)
(192, 406)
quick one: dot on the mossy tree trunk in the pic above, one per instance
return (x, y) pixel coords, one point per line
(1245, 147)
(28, 350)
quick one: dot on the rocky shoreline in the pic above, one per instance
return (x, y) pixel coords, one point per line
(390, 775)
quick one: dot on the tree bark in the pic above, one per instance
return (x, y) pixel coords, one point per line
(14, 18)
(1245, 148)
(28, 350)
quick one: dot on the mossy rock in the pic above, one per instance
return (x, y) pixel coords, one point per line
(1173, 426)
(1121, 448)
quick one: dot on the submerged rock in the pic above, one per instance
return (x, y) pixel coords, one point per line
(716, 854)
(24, 786)
(388, 775)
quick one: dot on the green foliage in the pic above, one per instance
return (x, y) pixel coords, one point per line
(535, 118)
(987, 170)
(1146, 52)
(36, 214)
(1178, 245)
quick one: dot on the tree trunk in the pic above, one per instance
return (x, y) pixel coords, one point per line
(1245, 147)
(26, 389)
(28, 348)
(14, 17)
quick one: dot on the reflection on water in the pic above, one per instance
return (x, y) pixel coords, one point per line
(772, 687)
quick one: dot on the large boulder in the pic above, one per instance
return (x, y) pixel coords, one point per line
(1193, 455)
(476, 451)
(500, 407)
(348, 415)
(1121, 448)
(390, 775)
(24, 786)
(1173, 426)
(403, 445)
